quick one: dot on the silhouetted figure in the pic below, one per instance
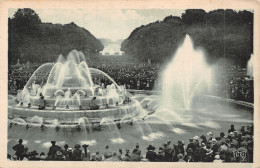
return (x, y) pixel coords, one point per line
(52, 150)
(19, 150)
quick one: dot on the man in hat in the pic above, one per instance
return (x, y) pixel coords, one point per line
(86, 153)
(52, 151)
(232, 129)
(150, 154)
(77, 153)
(19, 150)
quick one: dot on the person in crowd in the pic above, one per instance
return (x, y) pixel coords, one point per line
(168, 151)
(135, 156)
(196, 141)
(114, 158)
(243, 152)
(120, 154)
(107, 153)
(232, 129)
(98, 157)
(42, 156)
(9, 157)
(33, 155)
(52, 150)
(138, 151)
(210, 134)
(126, 157)
(233, 139)
(19, 150)
(42, 102)
(214, 147)
(250, 148)
(222, 137)
(59, 156)
(161, 155)
(86, 153)
(93, 157)
(191, 144)
(77, 153)
(189, 156)
(203, 139)
(217, 159)
(180, 147)
(150, 154)
(180, 157)
(66, 151)
(209, 152)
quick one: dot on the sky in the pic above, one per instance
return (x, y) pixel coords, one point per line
(104, 23)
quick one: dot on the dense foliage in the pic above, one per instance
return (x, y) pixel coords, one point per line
(222, 33)
(34, 41)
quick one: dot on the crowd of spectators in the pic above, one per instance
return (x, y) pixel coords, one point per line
(234, 84)
(234, 146)
(242, 88)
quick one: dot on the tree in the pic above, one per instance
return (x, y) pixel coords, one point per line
(193, 16)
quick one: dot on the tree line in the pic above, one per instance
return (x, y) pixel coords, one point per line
(222, 34)
(31, 40)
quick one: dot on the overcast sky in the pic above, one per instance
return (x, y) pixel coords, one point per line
(110, 23)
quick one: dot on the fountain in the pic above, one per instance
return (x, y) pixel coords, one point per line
(69, 94)
(250, 66)
(185, 76)
(113, 128)
(92, 113)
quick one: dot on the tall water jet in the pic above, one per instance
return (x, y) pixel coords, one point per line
(185, 76)
(250, 66)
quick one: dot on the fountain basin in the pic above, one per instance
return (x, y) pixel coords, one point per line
(71, 116)
(72, 102)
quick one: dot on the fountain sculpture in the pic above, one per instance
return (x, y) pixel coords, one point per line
(69, 94)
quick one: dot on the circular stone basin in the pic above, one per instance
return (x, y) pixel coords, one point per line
(71, 116)
(209, 114)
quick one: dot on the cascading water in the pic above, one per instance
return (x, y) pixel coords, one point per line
(185, 76)
(112, 127)
(250, 66)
